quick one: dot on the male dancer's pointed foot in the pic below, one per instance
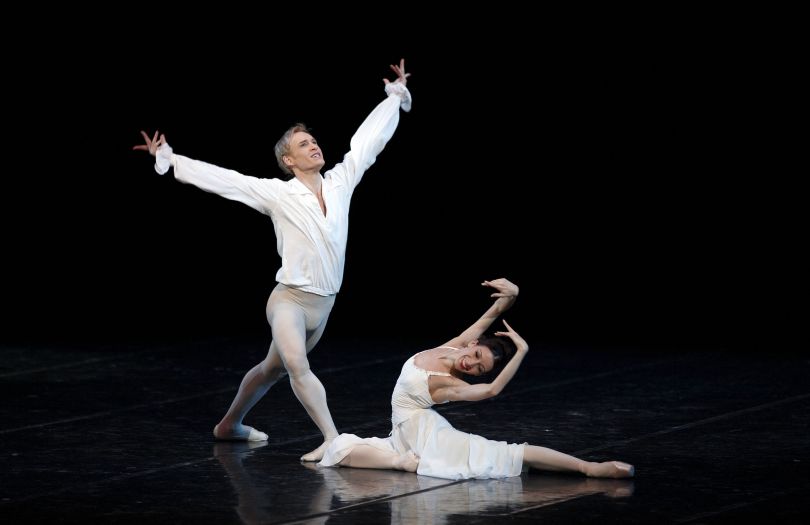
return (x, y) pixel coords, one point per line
(317, 454)
(610, 469)
(238, 433)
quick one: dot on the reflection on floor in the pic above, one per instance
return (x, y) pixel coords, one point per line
(405, 497)
(123, 434)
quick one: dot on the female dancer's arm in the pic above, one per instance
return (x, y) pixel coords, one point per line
(506, 292)
(458, 390)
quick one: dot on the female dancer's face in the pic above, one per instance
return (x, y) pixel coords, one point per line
(475, 360)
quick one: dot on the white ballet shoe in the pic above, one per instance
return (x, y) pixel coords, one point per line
(256, 435)
(252, 435)
(624, 470)
(611, 469)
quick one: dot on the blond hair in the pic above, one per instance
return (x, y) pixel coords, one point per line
(284, 145)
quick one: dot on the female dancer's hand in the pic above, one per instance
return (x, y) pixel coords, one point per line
(520, 343)
(504, 288)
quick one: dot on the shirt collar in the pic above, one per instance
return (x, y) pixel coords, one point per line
(297, 187)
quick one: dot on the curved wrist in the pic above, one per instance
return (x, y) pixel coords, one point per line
(399, 89)
(163, 159)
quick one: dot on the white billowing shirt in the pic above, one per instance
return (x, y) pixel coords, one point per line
(312, 246)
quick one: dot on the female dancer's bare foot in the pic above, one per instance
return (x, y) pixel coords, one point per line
(610, 469)
(317, 454)
(407, 462)
(238, 433)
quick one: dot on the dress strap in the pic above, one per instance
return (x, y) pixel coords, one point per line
(450, 347)
(412, 361)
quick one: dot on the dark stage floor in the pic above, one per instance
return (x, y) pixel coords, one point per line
(122, 434)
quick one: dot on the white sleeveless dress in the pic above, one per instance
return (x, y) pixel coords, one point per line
(443, 451)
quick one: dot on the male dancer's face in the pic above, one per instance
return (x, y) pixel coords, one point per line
(305, 153)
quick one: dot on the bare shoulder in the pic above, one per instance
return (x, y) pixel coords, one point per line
(428, 360)
(420, 359)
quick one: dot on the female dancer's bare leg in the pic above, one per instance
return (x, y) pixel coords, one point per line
(543, 458)
(366, 456)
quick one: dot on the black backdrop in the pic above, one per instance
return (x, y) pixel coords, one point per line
(591, 165)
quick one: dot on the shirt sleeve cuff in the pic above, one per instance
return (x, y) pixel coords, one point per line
(164, 159)
(399, 89)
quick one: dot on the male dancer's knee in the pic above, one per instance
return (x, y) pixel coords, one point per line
(297, 367)
(270, 371)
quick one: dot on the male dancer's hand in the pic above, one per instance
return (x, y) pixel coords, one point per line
(152, 144)
(402, 77)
